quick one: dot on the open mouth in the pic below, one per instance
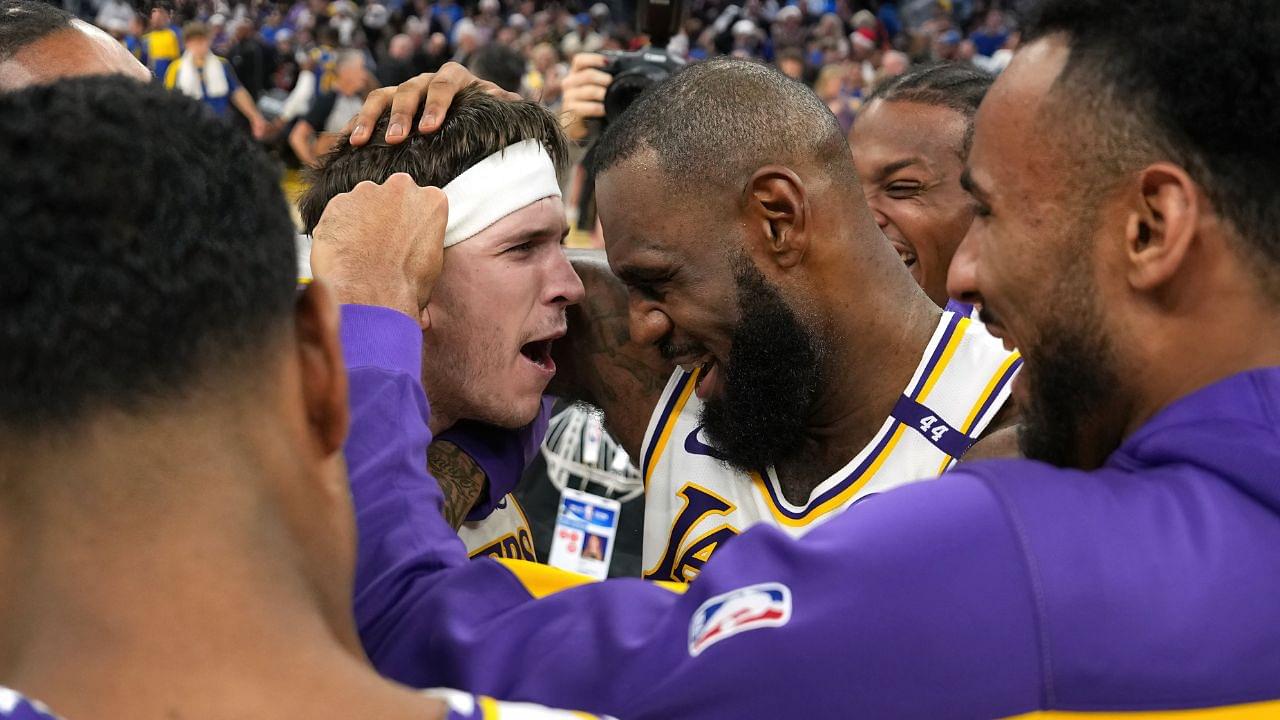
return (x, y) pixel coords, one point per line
(708, 377)
(905, 252)
(538, 352)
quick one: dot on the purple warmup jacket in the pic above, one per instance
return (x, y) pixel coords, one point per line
(1005, 588)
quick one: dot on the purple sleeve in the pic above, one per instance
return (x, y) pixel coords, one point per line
(502, 454)
(402, 532)
(914, 604)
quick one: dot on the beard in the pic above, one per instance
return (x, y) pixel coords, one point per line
(771, 380)
(1071, 380)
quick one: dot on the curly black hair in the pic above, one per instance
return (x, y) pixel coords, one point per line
(23, 22)
(1189, 81)
(957, 86)
(145, 245)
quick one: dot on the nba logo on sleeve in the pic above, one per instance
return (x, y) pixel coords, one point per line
(749, 608)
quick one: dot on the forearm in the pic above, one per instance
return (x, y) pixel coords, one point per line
(599, 364)
(244, 103)
(300, 139)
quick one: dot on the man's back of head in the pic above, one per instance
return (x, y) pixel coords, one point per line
(171, 425)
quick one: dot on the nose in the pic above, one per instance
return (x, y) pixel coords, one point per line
(881, 219)
(564, 287)
(648, 322)
(962, 276)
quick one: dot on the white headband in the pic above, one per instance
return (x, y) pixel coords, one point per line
(495, 187)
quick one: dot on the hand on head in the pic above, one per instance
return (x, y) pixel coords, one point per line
(383, 245)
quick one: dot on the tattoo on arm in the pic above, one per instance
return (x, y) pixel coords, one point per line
(597, 361)
(460, 478)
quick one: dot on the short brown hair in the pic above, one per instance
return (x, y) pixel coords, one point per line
(195, 29)
(476, 126)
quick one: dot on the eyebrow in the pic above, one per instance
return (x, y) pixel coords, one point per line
(970, 185)
(633, 274)
(894, 167)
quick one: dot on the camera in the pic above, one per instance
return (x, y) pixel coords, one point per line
(635, 72)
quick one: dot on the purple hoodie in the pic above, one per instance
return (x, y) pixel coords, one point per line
(1008, 587)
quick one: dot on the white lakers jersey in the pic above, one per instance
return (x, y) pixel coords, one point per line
(504, 534)
(694, 502)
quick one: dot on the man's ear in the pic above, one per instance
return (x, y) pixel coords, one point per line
(777, 205)
(1162, 225)
(320, 364)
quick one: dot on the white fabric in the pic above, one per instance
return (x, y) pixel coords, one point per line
(215, 78)
(495, 187)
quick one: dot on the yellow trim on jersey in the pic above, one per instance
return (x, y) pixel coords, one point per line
(838, 500)
(542, 580)
(665, 430)
(961, 328)
(982, 400)
(1250, 711)
(680, 542)
(489, 709)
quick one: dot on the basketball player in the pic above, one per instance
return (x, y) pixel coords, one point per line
(503, 291)
(175, 522)
(1126, 568)
(909, 142)
(789, 436)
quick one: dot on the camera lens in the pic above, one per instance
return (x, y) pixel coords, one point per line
(629, 85)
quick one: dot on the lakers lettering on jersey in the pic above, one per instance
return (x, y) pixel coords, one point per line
(694, 503)
(504, 534)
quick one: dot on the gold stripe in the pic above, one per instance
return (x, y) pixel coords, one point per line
(1251, 711)
(838, 500)
(542, 580)
(954, 343)
(489, 709)
(670, 425)
(982, 399)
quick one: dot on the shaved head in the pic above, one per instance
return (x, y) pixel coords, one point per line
(40, 44)
(696, 127)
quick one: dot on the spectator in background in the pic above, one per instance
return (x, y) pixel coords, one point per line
(992, 35)
(163, 43)
(253, 60)
(788, 30)
(583, 38)
(498, 64)
(201, 75)
(790, 62)
(397, 65)
(543, 82)
(315, 134)
(893, 64)
(434, 55)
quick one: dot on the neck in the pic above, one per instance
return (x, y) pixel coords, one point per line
(871, 355)
(154, 581)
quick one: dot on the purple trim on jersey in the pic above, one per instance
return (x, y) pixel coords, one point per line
(837, 489)
(960, 308)
(501, 454)
(13, 706)
(953, 321)
(995, 392)
(936, 430)
(681, 384)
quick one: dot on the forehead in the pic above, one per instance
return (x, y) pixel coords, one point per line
(544, 217)
(81, 49)
(887, 132)
(1011, 131)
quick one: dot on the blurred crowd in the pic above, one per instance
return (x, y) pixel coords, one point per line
(295, 70)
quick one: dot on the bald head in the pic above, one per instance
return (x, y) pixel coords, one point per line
(40, 44)
(715, 123)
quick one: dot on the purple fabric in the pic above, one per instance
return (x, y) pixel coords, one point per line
(501, 453)
(1006, 587)
(15, 707)
(398, 504)
(955, 306)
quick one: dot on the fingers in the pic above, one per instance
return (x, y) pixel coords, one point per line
(440, 91)
(360, 127)
(588, 60)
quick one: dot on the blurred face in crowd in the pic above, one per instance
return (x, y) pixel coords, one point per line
(351, 75)
(1034, 257)
(198, 47)
(81, 49)
(909, 158)
(792, 68)
(498, 305)
(696, 294)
